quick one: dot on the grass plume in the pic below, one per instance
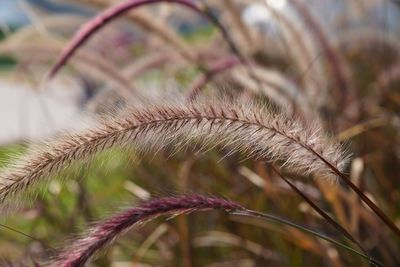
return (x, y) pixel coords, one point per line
(243, 127)
(104, 233)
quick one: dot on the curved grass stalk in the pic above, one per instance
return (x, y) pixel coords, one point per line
(29, 32)
(278, 88)
(106, 232)
(113, 12)
(320, 211)
(243, 127)
(338, 67)
(148, 23)
(217, 68)
(247, 42)
(86, 60)
(278, 220)
(303, 52)
(148, 62)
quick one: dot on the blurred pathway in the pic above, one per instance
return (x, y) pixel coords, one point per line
(29, 114)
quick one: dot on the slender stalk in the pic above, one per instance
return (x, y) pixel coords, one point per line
(278, 220)
(363, 197)
(103, 234)
(103, 18)
(320, 211)
(219, 67)
(335, 60)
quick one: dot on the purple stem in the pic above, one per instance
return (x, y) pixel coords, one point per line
(334, 58)
(105, 232)
(218, 67)
(103, 18)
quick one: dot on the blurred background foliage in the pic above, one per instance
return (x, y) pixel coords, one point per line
(163, 51)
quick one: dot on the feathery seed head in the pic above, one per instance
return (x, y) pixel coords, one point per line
(101, 235)
(242, 127)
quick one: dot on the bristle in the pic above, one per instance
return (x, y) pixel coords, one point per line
(101, 235)
(244, 127)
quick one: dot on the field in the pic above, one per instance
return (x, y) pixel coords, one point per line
(200, 133)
